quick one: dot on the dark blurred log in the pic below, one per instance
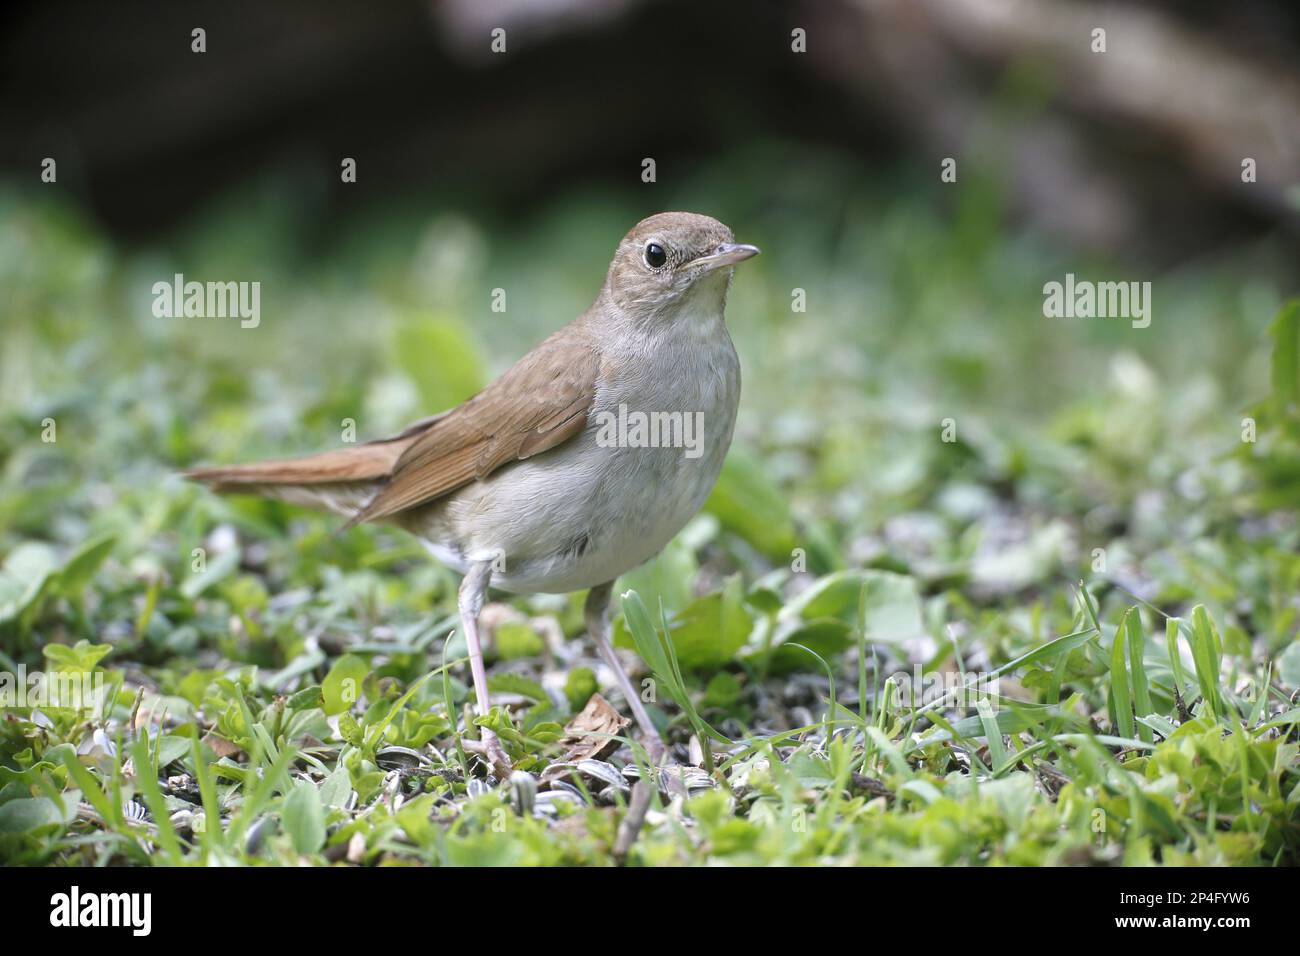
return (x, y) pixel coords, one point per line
(149, 132)
(1166, 115)
(1139, 146)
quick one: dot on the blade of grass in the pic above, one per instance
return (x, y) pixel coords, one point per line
(146, 773)
(830, 676)
(1089, 606)
(213, 834)
(1261, 697)
(449, 703)
(91, 790)
(643, 634)
(891, 752)
(862, 653)
(1122, 705)
(701, 728)
(375, 734)
(1060, 645)
(1175, 656)
(1206, 657)
(997, 752)
(657, 651)
(1137, 643)
(261, 794)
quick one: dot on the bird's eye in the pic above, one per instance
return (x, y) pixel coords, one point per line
(655, 255)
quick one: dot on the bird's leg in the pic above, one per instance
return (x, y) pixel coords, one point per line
(473, 589)
(597, 614)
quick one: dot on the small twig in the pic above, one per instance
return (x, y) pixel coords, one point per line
(871, 786)
(638, 806)
(1052, 779)
(132, 731)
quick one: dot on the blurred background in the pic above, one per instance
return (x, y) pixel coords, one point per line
(521, 170)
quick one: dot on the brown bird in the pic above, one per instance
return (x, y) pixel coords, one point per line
(578, 464)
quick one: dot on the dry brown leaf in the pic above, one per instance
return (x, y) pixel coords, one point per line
(589, 734)
(220, 745)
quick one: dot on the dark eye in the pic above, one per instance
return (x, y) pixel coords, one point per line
(655, 255)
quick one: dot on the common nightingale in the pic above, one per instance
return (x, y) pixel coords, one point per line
(578, 464)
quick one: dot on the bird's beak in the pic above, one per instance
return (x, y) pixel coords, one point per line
(727, 254)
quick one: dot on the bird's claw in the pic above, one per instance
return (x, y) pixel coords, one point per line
(489, 750)
(497, 757)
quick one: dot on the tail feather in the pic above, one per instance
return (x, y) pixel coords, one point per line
(342, 480)
(363, 463)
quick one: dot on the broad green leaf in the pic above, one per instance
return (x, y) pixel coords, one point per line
(513, 683)
(217, 569)
(27, 580)
(415, 819)
(1288, 665)
(337, 787)
(748, 503)
(579, 686)
(889, 607)
(171, 749)
(828, 638)
(515, 639)
(723, 691)
(83, 564)
(81, 658)
(834, 595)
(709, 632)
(342, 685)
(669, 577)
(28, 813)
(304, 818)
(438, 356)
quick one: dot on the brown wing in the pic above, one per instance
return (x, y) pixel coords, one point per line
(542, 401)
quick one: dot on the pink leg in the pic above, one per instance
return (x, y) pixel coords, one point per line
(473, 590)
(597, 615)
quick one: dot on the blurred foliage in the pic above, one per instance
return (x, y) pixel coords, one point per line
(846, 540)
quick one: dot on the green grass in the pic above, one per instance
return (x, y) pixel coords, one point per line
(1098, 540)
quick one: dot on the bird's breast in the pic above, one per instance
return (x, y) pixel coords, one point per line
(606, 501)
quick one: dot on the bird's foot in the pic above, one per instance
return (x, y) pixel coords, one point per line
(490, 749)
(664, 770)
(497, 757)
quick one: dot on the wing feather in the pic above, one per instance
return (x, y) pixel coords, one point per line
(541, 402)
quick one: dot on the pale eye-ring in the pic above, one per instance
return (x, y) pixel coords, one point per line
(655, 256)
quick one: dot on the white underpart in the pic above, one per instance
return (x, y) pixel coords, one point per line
(531, 517)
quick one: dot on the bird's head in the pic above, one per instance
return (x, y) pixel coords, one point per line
(672, 260)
